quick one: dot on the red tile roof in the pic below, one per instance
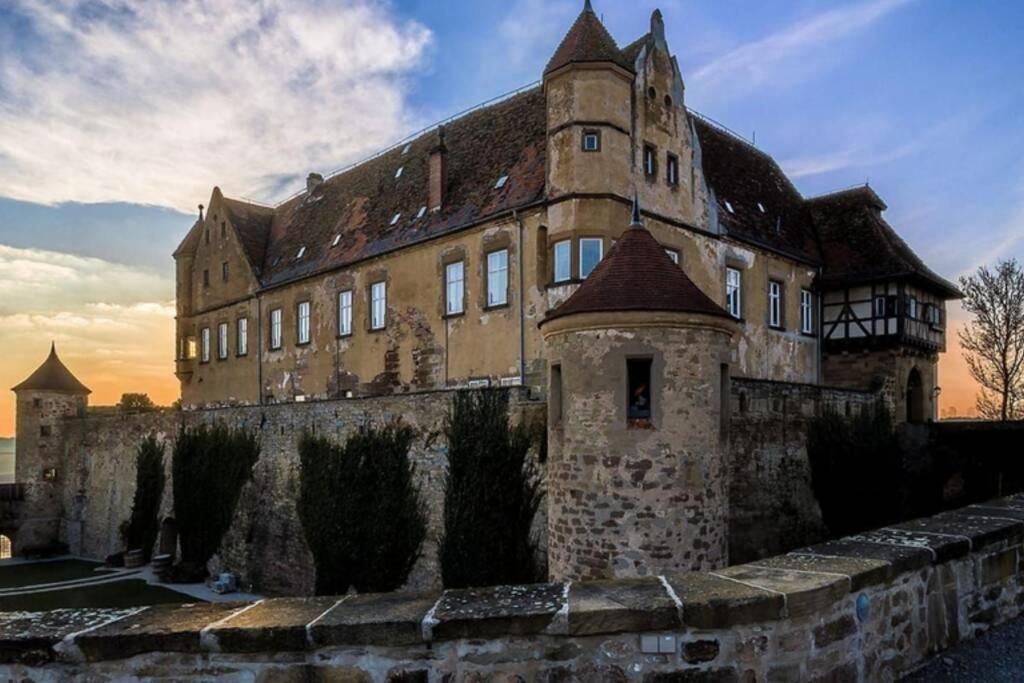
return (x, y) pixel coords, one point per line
(53, 376)
(637, 275)
(587, 41)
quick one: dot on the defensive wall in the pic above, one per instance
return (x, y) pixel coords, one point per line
(863, 608)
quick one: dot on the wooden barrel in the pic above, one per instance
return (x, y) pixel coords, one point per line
(161, 565)
(133, 559)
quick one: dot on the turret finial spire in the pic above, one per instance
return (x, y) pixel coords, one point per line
(587, 7)
(637, 222)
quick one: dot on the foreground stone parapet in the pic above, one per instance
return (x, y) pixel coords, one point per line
(868, 607)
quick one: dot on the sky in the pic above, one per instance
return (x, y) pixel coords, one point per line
(117, 118)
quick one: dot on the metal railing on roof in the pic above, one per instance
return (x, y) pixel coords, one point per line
(412, 136)
(857, 186)
(721, 126)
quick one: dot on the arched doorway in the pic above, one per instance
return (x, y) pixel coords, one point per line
(915, 397)
(5, 547)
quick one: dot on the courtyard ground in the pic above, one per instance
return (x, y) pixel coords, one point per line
(995, 657)
(16, 574)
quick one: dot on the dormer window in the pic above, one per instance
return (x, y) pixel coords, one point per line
(501, 182)
(405, 150)
(337, 238)
(760, 207)
(421, 213)
(302, 252)
(394, 219)
(728, 206)
(398, 173)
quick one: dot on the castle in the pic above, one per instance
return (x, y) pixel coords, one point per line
(590, 240)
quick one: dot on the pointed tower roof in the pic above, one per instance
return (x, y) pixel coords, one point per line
(637, 275)
(54, 376)
(587, 41)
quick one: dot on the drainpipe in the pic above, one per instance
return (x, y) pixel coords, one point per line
(522, 303)
(259, 349)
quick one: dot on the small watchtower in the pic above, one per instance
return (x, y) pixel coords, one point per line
(638, 387)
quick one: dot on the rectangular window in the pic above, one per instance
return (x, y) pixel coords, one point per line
(591, 253)
(591, 141)
(563, 260)
(206, 278)
(672, 169)
(224, 271)
(650, 165)
(222, 340)
(638, 373)
(378, 305)
(774, 303)
(275, 328)
(555, 395)
(454, 286)
(734, 292)
(302, 322)
(879, 306)
(673, 255)
(204, 344)
(912, 308)
(190, 348)
(242, 334)
(497, 278)
(345, 313)
(806, 311)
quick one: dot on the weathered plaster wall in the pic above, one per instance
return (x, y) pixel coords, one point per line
(866, 608)
(265, 544)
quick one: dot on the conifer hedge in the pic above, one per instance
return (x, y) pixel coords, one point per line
(491, 495)
(360, 510)
(140, 530)
(210, 465)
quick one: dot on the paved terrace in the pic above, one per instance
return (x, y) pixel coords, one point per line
(868, 607)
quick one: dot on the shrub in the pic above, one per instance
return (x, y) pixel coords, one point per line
(141, 529)
(360, 511)
(210, 465)
(491, 496)
(856, 469)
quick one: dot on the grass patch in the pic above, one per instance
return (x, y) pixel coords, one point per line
(127, 593)
(35, 573)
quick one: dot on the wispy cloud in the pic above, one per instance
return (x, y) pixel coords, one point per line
(784, 55)
(155, 101)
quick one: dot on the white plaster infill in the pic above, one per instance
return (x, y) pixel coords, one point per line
(671, 594)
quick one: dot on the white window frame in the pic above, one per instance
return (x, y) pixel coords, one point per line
(378, 305)
(600, 254)
(455, 288)
(649, 160)
(222, 341)
(879, 306)
(204, 345)
(774, 304)
(806, 311)
(303, 322)
(242, 337)
(345, 313)
(595, 137)
(497, 277)
(912, 308)
(672, 169)
(562, 254)
(734, 292)
(276, 323)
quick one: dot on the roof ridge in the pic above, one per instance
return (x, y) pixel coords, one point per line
(841, 191)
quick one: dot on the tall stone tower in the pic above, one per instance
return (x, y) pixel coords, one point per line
(49, 395)
(638, 380)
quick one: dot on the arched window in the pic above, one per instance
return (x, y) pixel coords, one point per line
(5, 547)
(915, 397)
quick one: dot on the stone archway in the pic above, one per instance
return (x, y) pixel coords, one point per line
(915, 396)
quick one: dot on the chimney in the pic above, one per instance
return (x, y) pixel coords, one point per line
(313, 181)
(438, 172)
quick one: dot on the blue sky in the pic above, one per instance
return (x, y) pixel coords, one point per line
(117, 118)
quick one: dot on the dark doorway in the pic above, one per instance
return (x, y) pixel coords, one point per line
(915, 397)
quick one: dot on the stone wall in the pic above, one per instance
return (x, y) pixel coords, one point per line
(769, 471)
(864, 608)
(265, 544)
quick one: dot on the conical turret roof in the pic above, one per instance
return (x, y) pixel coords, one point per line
(637, 275)
(587, 41)
(54, 376)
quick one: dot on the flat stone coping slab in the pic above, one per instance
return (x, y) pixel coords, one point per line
(497, 611)
(903, 558)
(30, 636)
(711, 601)
(374, 619)
(861, 572)
(978, 530)
(642, 604)
(805, 592)
(270, 625)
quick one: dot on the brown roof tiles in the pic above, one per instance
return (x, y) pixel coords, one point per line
(53, 376)
(587, 41)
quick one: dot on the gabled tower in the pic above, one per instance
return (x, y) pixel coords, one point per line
(638, 385)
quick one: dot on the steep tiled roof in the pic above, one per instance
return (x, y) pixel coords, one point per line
(587, 41)
(54, 376)
(860, 246)
(191, 239)
(252, 223)
(504, 139)
(632, 51)
(637, 275)
(747, 180)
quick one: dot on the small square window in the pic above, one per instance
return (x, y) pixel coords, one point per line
(45, 430)
(591, 141)
(501, 182)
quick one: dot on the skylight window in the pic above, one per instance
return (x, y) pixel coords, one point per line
(277, 259)
(405, 150)
(337, 238)
(398, 173)
(421, 213)
(729, 206)
(302, 250)
(501, 182)
(761, 206)
(394, 219)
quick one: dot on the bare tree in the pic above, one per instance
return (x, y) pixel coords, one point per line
(994, 341)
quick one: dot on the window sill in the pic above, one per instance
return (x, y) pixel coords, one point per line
(242, 355)
(776, 328)
(495, 307)
(449, 316)
(563, 283)
(375, 330)
(300, 344)
(639, 423)
(344, 335)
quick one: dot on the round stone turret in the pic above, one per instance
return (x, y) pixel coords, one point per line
(637, 384)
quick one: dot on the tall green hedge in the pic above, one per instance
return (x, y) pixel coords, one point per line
(491, 495)
(360, 510)
(210, 465)
(856, 469)
(141, 529)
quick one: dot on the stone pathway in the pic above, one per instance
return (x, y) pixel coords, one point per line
(995, 657)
